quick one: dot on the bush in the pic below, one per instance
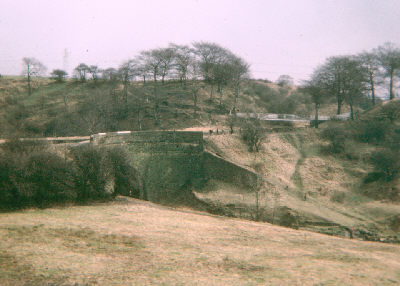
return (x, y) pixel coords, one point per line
(337, 136)
(386, 163)
(380, 132)
(50, 179)
(34, 179)
(102, 173)
(252, 135)
(372, 177)
(91, 173)
(127, 178)
(372, 130)
(338, 197)
(32, 176)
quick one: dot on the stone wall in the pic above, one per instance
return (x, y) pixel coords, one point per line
(154, 141)
(220, 169)
(169, 162)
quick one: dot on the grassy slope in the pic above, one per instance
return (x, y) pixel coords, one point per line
(294, 168)
(139, 243)
(290, 161)
(176, 106)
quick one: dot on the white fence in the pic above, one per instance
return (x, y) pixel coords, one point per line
(290, 117)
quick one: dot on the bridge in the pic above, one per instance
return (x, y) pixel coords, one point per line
(291, 117)
(169, 162)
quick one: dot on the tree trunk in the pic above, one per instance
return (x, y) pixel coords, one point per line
(126, 92)
(29, 82)
(339, 105)
(236, 97)
(351, 111)
(316, 115)
(65, 103)
(156, 115)
(212, 92)
(139, 121)
(391, 90)
(195, 102)
(155, 87)
(372, 81)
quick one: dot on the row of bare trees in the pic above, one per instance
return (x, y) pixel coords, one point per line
(141, 78)
(209, 62)
(215, 65)
(194, 66)
(349, 78)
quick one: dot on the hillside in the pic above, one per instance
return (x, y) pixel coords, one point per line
(132, 242)
(319, 191)
(73, 108)
(304, 186)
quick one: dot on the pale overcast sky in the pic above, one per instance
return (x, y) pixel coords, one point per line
(276, 37)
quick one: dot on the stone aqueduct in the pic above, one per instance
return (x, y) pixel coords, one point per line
(168, 162)
(173, 161)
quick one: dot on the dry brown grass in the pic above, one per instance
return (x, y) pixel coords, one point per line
(292, 165)
(16, 85)
(139, 243)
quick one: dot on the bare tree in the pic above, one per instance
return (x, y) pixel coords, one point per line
(330, 75)
(221, 74)
(284, 80)
(94, 71)
(389, 58)
(193, 71)
(58, 75)
(126, 73)
(183, 57)
(153, 62)
(109, 74)
(32, 68)
(370, 63)
(314, 88)
(143, 70)
(252, 134)
(239, 70)
(355, 82)
(343, 77)
(81, 71)
(166, 58)
(211, 57)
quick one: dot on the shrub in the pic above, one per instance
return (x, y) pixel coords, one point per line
(391, 112)
(336, 136)
(127, 178)
(252, 135)
(34, 179)
(32, 176)
(338, 197)
(372, 177)
(50, 179)
(372, 130)
(386, 163)
(16, 147)
(91, 173)
(102, 173)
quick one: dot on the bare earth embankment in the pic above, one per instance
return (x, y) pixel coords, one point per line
(140, 243)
